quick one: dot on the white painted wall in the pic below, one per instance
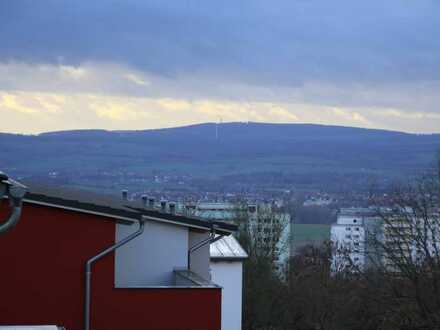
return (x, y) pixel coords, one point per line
(200, 258)
(149, 260)
(350, 220)
(229, 275)
(349, 241)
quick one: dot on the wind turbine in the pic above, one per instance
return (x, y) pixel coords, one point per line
(220, 121)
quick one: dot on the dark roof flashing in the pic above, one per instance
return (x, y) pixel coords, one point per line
(223, 227)
(122, 212)
(119, 215)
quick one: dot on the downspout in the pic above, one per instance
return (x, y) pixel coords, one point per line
(91, 261)
(211, 239)
(15, 192)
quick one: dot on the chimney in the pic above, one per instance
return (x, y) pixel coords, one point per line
(144, 200)
(125, 195)
(151, 202)
(163, 205)
(172, 206)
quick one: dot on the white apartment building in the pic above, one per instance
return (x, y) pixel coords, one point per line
(349, 236)
(227, 211)
(365, 236)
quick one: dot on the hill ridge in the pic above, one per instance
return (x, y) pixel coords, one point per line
(271, 154)
(230, 124)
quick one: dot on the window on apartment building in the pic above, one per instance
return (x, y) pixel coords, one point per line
(347, 228)
(356, 236)
(357, 229)
(356, 244)
(356, 259)
(356, 251)
(354, 220)
(347, 236)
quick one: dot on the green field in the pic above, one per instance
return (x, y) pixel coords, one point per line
(303, 234)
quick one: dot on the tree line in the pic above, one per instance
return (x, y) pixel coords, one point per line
(399, 290)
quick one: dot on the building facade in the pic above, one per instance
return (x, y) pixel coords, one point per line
(263, 219)
(227, 258)
(366, 237)
(349, 237)
(146, 284)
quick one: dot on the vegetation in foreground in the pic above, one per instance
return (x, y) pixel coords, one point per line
(315, 297)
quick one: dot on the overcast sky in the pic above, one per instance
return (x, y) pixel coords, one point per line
(138, 64)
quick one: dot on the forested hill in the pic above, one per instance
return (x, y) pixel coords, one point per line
(230, 149)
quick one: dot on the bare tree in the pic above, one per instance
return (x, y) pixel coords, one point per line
(399, 288)
(404, 252)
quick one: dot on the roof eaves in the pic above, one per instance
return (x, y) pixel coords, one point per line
(125, 215)
(193, 222)
(228, 258)
(122, 216)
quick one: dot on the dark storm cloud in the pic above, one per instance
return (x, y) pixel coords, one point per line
(269, 42)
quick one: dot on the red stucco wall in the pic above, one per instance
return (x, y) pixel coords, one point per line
(42, 280)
